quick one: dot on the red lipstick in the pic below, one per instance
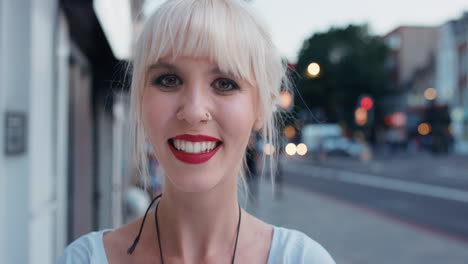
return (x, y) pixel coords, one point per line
(192, 158)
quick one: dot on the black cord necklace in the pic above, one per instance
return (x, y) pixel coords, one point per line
(159, 239)
(137, 238)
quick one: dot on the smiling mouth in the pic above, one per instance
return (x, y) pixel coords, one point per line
(190, 147)
(196, 150)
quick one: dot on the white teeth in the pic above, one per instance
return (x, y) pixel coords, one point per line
(197, 147)
(189, 147)
(194, 147)
(204, 146)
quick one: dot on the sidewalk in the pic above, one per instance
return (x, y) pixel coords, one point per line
(355, 235)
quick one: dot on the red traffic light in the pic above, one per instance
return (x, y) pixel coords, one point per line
(366, 103)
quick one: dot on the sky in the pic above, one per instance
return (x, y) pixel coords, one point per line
(292, 21)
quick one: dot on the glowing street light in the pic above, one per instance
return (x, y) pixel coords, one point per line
(291, 149)
(313, 70)
(301, 149)
(430, 94)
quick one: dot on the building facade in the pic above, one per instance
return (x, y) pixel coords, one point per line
(411, 53)
(63, 150)
(452, 77)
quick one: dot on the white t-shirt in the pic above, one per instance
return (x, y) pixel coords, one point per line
(288, 247)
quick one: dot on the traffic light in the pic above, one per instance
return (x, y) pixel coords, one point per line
(366, 102)
(364, 113)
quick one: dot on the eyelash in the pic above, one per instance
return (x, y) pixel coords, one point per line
(158, 81)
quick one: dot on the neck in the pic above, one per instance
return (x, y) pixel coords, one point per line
(198, 226)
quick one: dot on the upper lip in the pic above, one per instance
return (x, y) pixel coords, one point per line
(195, 138)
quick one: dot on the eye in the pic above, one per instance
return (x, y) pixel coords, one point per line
(167, 81)
(225, 85)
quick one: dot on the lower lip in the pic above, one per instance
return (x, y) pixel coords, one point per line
(193, 158)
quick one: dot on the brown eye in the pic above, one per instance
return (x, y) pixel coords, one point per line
(167, 80)
(225, 85)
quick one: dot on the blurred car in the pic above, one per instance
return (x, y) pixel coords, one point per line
(329, 139)
(341, 146)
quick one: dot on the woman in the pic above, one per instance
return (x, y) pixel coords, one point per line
(205, 75)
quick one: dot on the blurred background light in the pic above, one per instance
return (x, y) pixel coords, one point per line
(290, 149)
(313, 70)
(430, 94)
(268, 149)
(397, 119)
(360, 116)
(424, 129)
(457, 114)
(301, 149)
(289, 132)
(285, 99)
(367, 103)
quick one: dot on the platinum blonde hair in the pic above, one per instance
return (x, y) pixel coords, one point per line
(228, 33)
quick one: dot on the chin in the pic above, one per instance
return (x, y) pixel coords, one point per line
(193, 182)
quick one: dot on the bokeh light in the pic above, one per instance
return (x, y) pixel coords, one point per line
(430, 94)
(367, 103)
(424, 129)
(457, 114)
(289, 132)
(291, 149)
(360, 116)
(285, 99)
(313, 69)
(301, 149)
(268, 149)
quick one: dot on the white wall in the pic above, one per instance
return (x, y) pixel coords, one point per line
(41, 176)
(61, 91)
(15, 83)
(2, 121)
(28, 84)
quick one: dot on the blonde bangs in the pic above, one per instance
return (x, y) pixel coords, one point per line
(204, 29)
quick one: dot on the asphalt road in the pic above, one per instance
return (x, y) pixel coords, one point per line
(424, 191)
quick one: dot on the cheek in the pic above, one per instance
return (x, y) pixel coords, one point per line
(154, 119)
(237, 119)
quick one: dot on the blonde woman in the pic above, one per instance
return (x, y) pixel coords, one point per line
(205, 75)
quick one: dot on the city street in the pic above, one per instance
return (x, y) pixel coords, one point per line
(404, 209)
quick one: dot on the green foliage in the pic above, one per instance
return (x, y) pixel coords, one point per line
(352, 64)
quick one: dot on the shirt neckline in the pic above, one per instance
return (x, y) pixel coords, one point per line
(271, 254)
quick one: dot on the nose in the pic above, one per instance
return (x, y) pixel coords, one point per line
(194, 106)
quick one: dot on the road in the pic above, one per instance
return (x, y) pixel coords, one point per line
(420, 190)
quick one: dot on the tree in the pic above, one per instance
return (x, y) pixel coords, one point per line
(351, 65)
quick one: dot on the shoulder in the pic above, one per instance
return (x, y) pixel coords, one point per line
(88, 248)
(292, 246)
